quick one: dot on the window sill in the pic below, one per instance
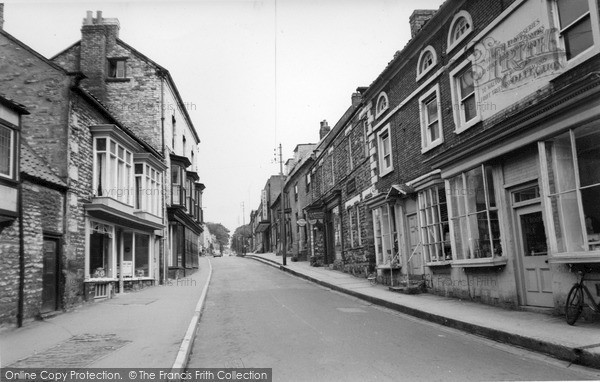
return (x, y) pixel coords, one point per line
(575, 258)
(441, 263)
(386, 171)
(479, 263)
(100, 280)
(112, 79)
(462, 127)
(431, 146)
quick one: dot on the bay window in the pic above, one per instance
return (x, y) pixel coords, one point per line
(176, 183)
(571, 176)
(382, 224)
(7, 152)
(113, 175)
(435, 228)
(148, 189)
(474, 214)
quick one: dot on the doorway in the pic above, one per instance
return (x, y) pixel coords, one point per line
(50, 275)
(532, 251)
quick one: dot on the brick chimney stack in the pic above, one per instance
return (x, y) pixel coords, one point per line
(356, 99)
(98, 37)
(324, 130)
(419, 18)
(1, 16)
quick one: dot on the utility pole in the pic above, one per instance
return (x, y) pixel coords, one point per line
(243, 228)
(281, 206)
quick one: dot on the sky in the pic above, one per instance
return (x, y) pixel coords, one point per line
(254, 74)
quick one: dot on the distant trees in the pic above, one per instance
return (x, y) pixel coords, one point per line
(240, 241)
(220, 232)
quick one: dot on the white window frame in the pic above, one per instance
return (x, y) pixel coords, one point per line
(431, 225)
(452, 42)
(11, 153)
(382, 257)
(350, 157)
(379, 110)
(592, 50)
(426, 143)
(151, 189)
(384, 170)
(458, 110)
(121, 189)
(354, 224)
(420, 71)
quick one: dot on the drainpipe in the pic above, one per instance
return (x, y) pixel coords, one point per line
(21, 258)
(164, 242)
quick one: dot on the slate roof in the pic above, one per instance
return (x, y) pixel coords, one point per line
(36, 167)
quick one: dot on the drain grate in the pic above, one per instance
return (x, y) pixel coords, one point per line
(78, 351)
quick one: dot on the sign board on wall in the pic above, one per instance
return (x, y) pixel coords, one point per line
(127, 268)
(265, 207)
(518, 57)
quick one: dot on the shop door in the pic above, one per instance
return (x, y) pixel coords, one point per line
(533, 252)
(414, 243)
(50, 275)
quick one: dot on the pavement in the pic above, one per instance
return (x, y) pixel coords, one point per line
(151, 328)
(539, 332)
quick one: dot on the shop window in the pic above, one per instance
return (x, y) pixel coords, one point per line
(384, 144)
(431, 123)
(100, 253)
(573, 183)
(435, 229)
(575, 26)
(460, 28)
(474, 214)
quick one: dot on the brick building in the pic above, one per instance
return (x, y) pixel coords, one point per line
(479, 174)
(143, 95)
(482, 157)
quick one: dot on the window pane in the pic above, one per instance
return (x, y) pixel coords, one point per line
(579, 37)
(138, 192)
(461, 238)
(475, 190)
(490, 186)
(562, 169)
(470, 108)
(432, 112)
(465, 80)
(571, 10)
(101, 144)
(434, 132)
(481, 236)
(590, 198)
(587, 142)
(5, 150)
(565, 212)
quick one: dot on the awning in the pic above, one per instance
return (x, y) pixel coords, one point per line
(263, 226)
(399, 190)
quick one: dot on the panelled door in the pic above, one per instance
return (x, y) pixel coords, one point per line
(50, 275)
(533, 252)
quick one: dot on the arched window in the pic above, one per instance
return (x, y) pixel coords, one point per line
(461, 27)
(382, 104)
(427, 61)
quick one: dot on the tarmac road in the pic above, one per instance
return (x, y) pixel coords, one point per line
(258, 316)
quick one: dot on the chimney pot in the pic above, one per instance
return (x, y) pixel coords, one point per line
(356, 99)
(98, 17)
(324, 130)
(419, 18)
(89, 18)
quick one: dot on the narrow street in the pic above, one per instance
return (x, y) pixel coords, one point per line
(257, 316)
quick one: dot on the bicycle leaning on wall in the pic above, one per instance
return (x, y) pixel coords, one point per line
(576, 300)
